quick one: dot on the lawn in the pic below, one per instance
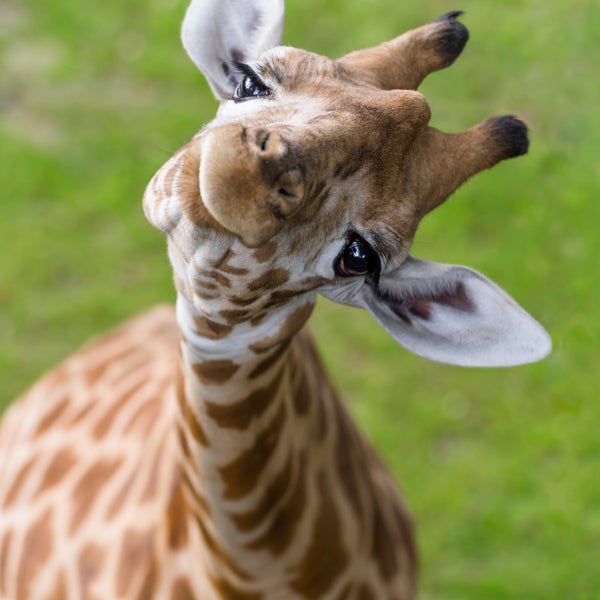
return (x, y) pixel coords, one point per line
(500, 467)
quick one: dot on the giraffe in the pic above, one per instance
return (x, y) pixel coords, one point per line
(202, 452)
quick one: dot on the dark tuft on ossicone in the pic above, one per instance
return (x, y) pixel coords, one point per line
(453, 38)
(452, 15)
(512, 134)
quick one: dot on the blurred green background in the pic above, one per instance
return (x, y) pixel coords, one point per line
(501, 467)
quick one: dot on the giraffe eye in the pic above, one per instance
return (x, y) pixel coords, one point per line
(357, 258)
(251, 87)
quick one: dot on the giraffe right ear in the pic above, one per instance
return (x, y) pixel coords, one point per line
(218, 33)
(449, 314)
(455, 315)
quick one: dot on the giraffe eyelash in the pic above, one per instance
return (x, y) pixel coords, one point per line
(246, 70)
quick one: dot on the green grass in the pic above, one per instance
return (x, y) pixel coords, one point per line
(501, 467)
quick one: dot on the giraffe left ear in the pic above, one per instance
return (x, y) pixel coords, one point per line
(218, 33)
(454, 315)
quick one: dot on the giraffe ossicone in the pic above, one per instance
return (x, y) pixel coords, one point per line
(204, 453)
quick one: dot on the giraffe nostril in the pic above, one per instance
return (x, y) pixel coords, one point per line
(286, 193)
(264, 142)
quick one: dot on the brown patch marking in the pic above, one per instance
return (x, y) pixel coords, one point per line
(269, 280)
(136, 555)
(210, 329)
(281, 297)
(59, 466)
(189, 418)
(94, 374)
(144, 420)
(177, 511)
(235, 315)
(319, 378)
(244, 301)
(227, 268)
(280, 532)
(265, 252)
(351, 471)
(269, 362)
(103, 425)
(326, 558)
(238, 415)
(204, 295)
(37, 549)
(240, 475)
(198, 500)
(85, 492)
(19, 481)
(218, 553)
(273, 493)
(52, 416)
(91, 560)
(149, 582)
(215, 371)
(153, 471)
(120, 498)
(181, 590)
(216, 275)
(4, 552)
(81, 414)
(276, 300)
(224, 259)
(302, 395)
(290, 327)
(60, 588)
(183, 443)
(259, 318)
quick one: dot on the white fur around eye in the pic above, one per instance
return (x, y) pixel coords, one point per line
(231, 112)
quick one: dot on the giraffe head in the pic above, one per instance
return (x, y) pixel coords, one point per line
(314, 176)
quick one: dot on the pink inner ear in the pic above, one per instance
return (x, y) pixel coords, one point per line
(420, 306)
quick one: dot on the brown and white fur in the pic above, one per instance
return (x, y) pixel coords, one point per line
(204, 454)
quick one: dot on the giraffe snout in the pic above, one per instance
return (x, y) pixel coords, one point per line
(249, 181)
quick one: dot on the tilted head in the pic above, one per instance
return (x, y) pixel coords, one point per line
(314, 176)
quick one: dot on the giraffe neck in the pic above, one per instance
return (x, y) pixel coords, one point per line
(276, 475)
(245, 428)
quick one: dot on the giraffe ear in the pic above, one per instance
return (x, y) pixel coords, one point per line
(454, 315)
(218, 33)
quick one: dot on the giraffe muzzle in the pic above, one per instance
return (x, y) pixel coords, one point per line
(249, 181)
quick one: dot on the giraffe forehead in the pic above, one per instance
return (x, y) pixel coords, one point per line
(290, 66)
(306, 88)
